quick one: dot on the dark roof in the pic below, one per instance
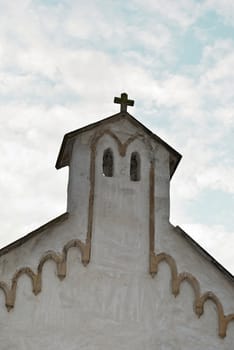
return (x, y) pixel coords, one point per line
(68, 140)
(204, 253)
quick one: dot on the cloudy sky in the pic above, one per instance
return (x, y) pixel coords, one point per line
(61, 64)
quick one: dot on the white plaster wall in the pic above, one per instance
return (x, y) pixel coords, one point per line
(101, 307)
(121, 210)
(188, 259)
(79, 183)
(113, 302)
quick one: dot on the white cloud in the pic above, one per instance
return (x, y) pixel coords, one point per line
(224, 8)
(182, 13)
(216, 240)
(60, 68)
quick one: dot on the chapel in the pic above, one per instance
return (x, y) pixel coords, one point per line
(112, 272)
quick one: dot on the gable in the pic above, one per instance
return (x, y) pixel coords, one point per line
(68, 140)
(41, 255)
(122, 259)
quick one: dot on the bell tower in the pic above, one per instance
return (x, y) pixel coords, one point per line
(118, 190)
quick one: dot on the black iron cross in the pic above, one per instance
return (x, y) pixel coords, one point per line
(124, 102)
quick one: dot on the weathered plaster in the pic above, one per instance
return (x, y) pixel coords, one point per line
(113, 301)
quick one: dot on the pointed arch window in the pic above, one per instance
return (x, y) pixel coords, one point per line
(135, 171)
(108, 163)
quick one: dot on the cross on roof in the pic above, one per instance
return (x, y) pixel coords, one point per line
(124, 102)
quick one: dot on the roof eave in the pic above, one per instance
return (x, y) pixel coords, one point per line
(204, 253)
(58, 220)
(64, 160)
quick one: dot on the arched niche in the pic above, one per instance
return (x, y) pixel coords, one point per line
(108, 163)
(135, 167)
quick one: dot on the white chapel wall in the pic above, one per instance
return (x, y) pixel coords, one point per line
(113, 302)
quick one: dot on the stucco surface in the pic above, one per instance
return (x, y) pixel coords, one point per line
(113, 302)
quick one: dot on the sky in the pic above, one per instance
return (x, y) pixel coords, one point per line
(61, 64)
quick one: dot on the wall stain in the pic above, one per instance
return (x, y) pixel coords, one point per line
(60, 259)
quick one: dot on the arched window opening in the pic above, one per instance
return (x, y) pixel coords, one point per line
(108, 163)
(135, 172)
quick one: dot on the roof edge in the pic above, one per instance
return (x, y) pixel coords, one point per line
(205, 254)
(32, 234)
(60, 163)
(73, 133)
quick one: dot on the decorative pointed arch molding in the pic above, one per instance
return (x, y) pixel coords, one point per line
(122, 148)
(60, 260)
(199, 299)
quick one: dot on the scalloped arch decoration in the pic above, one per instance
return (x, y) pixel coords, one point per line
(60, 260)
(199, 299)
